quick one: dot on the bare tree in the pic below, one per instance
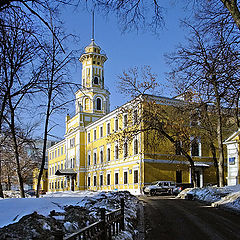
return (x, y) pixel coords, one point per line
(158, 121)
(18, 52)
(208, 66)
(54, 85)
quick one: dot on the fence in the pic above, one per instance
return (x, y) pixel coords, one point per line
(109, 225)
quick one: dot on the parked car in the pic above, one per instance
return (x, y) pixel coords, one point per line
(160, 187)
(31, 192)
(41, 192)
(181, 186)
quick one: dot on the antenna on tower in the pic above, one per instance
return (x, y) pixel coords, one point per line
(92, 25)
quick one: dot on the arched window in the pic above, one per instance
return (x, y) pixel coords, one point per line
(99, 104)
(95, 80)
(87, 104)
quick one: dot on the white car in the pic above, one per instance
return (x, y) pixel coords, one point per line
(160, 187)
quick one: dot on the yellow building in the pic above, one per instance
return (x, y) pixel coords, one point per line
(44, 180)
(91, 157)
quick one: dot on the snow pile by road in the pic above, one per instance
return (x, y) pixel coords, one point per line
(60, 210)
(227, 197)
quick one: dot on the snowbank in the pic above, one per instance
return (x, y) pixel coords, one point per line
(226, 197)
(13, 209)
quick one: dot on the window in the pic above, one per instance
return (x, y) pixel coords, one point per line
(108, 179)
(135, 116)
(101, 132)
(89, 158)
(94, 134)
(55, 153)
(108, 128)
(108, 154)
(101, 155)
(61, 166)
(135, 175)
(95, 158)
(125, 120)
(62, 184)
(195, 147)
(95, 80)
(101, 180)
(89, 137)
(194, 119)
(89, 181)
(99, 104)
(116, 124)
(178, 148)
(94, 62)
(116, 178)
(125, 177)
(50, 185)
(94, 180)
(58, 152)
(61, 150)
(72, 142)
(116, 151)
(125, 149)
(135, 146)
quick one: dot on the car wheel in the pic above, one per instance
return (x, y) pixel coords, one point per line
(153, 192)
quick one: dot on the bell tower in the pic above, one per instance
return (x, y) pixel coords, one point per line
(93, 98)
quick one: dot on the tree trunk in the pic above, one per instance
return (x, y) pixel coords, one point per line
(219, 134)
(213, 150)
(232, 6)
(44, 148)
(1, 189)
(1, 120)
(237, 110)
(16, 152)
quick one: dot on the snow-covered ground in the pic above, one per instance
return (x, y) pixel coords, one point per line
(13, 209)
(226, 197)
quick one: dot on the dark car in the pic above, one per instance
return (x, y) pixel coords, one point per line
(181, 186)
(160, 187)
(31, 192)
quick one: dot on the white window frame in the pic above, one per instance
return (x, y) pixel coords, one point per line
(116, 172)
(116, 124)
(101, 150)
(108, 132)
(108, 153)
(125, 171)
(89, 158)
(101, 131)
(125, 124)
(135, 139)
(116, 145)
(94, 134)
(108, 174)
(94, 155)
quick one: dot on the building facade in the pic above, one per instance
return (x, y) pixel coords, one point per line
(91, 156)
(233, 165)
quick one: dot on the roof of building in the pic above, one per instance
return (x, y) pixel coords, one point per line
(232, 137)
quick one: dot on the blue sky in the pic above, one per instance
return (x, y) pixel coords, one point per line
(123, 50)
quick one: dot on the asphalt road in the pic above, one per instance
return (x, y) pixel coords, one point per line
(168, 218)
